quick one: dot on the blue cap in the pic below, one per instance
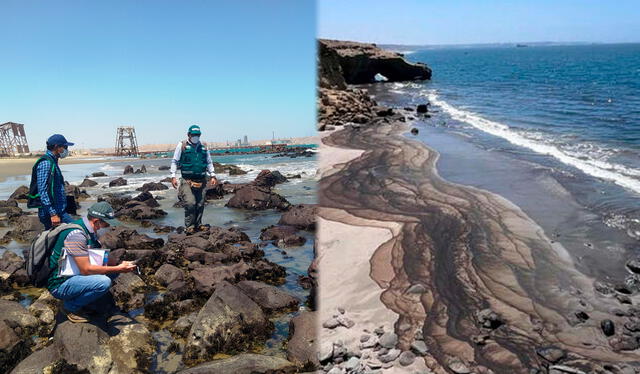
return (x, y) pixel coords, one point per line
(57, 139)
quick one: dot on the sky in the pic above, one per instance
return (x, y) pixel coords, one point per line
(82, 68)
(422, 22)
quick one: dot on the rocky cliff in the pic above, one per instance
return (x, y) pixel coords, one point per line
(360, 62)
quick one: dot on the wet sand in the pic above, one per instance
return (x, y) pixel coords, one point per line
(469, 249)
(12, 167)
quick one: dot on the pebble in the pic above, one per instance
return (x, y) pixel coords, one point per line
(379, 331)
(551, 354)
(608, 328)
(388, 340)
(419, 347)
(407, 358)
(560, 369)
(459, 367)
(331, 323)
(346, 322)
(364, 338)
(374, 364)
(392, 355)
(352, 363)
(326, 351)
(369, 343)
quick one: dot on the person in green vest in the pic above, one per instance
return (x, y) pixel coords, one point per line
(93, 281)
(194, 161)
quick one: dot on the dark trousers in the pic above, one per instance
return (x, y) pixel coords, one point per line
(193, 201)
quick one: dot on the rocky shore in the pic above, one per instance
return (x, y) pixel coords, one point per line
(447, 278)
(201, 303)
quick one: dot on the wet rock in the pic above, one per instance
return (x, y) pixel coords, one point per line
(277, 232)
(128, 291)
(10, 268)
(624, 343)
(229, 169)
(132, 346)
(302, 216)
(257, 198)
(146, 198)
(164, 167)
(40, 361)
(245, 363)
(168, 273)
(291, 241)
(219, 236)
(152, 186)
(88, 183)
(122, 237)
(142, 170)
(388, 340)
(301, 348)
(270, 298)
(422, 108)
(407, 358)
(25, 230)
(214, 193)
(179, 290)
(128, 170)
(182, 326)
(16, 316)
(414, 131)
(193, 254)
(232, 187)
(12, 347)
(84, 345)
(603, 288)
(45, 309)
(136, 210)
(206, 278)
(551, 353)
(268, 178)
(229, 321)
(608, 328)
(118, 182)
(20, 194)
(98, 174)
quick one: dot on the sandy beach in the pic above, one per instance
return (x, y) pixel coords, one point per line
(11, 167)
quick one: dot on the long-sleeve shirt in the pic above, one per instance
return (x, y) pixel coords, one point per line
(176, 161)
(59, 205)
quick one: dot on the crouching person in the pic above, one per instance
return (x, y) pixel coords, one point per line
(89, 281)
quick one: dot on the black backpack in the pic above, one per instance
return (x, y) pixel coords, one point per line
(37, 263)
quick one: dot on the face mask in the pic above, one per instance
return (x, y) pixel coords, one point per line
(101, 231)
(64, 153)
(194, 139)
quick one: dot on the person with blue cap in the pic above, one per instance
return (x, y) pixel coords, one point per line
(194, 161)
(47, 192)
(91, 281)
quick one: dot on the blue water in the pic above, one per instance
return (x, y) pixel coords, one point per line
(554, 129)
(580, 104)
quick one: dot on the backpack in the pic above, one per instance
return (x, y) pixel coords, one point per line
(37, 263)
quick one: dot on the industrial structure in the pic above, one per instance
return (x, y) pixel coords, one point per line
(13, 141)
(126, 143)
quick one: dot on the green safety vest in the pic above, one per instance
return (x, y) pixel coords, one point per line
(193, 161)
(56, 280)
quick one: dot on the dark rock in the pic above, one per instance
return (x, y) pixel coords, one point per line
(277, 232)
(142, 170)
(414, 131)
(10, 266)
(98, 174)
(232, 187)
(634, 265)
(257, 198)
(193, 254)
(13, 348)
(146, 198)
(302, 216)
(229, 321)
(268, 178)
(608, 328)
(26, 229)
(183, 325)
(168, 273)
(118, 182)
(302, 348)
(128, 291)
(406, 358)
(179, 290)
(166, 180)
(360, 62)
(214, 193)
(270, 298)
(291, 241)
(152, 186)
(422, 108)
(40, 361)
(88, 183)
(128, 170)
(207, 278)
(164, 167)
(244, 363)
(582, 316)
(489, 319)
(20, 194)
(383, 111)
(219, 236)
(132, 346)
(136, 210)
(551, 353)
(122, 237)
(603, 288)
(230, 169)
(83, 345)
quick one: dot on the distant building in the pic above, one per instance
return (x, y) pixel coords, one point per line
(246, 141)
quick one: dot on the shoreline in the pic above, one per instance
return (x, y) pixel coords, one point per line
(495, 256)
(16, 167)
